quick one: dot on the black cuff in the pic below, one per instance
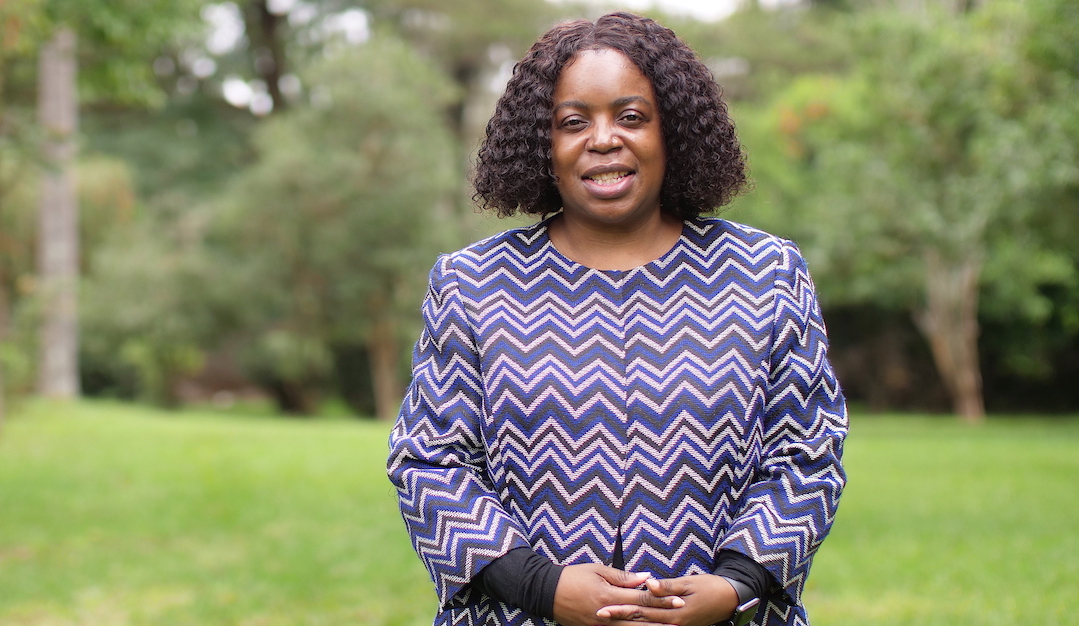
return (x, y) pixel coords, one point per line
(739, 567)
(523, 579)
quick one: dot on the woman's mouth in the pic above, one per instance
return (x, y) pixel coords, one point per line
(609, 185)
(607, 178)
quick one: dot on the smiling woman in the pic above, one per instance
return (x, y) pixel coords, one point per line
(623, 414)
(705, 167)
(608, 157)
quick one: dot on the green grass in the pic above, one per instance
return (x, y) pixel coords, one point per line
(114, 514)
(948, 524)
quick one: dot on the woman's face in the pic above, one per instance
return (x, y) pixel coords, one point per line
(606, 141)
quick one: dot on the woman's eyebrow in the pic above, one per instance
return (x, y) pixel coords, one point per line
(576, 104)
(624, 100)
(618, 102)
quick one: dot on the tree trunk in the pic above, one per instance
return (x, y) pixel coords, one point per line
(267, 48)
(385, 360)
(950, 323)
(58, 268)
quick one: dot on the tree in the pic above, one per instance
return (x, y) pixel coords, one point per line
(19, 21)
(338, 221)
(264, 28)
(116, 38)
(467, 37)
(17, 197)
(291, 363)
(475, 43)
(153, 302)
(756, 53)
(58, 243)
(928, 162)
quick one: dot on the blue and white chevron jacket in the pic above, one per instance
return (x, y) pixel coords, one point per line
(687, 404)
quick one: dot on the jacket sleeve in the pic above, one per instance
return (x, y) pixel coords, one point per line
(789, 508)
(437, 457)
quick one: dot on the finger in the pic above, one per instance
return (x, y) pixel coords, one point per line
(620, 578)
(638, 597)
(643, 598)
(629, 614)
(647, 598)
(667, 586)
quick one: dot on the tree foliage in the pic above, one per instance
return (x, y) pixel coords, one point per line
(920, 176)
(335, 220)
(150, 308)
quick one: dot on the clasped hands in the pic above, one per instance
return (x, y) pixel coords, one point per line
(596, 595)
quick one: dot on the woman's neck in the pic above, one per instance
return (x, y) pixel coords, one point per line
(614, 248)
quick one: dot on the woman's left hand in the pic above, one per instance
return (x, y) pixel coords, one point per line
(708, 599)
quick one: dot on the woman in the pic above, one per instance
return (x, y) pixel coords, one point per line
(623, 414)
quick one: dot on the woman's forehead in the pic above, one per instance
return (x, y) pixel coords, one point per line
(595, 67)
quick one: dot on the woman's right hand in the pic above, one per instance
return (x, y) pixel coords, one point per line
(584, 589)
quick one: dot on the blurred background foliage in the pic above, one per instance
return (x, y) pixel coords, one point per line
(264, 184)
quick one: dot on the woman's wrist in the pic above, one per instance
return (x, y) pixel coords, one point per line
(742, 590)
(736, 566)
(746, 604)
(524, 579)
(722, 599)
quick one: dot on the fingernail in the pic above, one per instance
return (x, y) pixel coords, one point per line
(604, 613)
(678, 602)
(645, 574)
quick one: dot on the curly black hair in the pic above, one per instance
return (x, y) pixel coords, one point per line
(705, 164)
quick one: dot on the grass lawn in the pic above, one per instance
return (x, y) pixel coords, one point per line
(115, 514)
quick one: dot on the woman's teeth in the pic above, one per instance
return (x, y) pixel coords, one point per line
(609, 178)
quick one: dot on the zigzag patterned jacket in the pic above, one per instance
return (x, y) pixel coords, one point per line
(687, 405)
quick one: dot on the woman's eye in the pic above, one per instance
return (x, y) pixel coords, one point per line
(632, 117)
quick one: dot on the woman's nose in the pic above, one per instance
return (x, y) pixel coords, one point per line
(605, 136)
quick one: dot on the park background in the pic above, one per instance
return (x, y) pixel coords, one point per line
(217, 219)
